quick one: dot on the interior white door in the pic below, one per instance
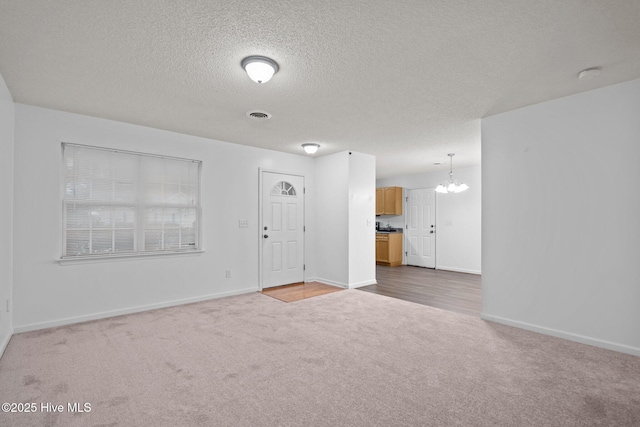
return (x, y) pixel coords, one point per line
(282, 229)
(420, 228)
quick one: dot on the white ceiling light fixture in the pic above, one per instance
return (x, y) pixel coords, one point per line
(310, 148)
(260, 68)
(451, 185)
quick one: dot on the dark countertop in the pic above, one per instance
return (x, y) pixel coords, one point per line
(389, 230)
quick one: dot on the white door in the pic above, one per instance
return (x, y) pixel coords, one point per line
(282, 229)
(420, 240)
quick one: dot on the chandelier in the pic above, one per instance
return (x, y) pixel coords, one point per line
(451, 185)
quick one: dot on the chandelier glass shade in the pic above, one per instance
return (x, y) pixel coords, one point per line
(451, 185)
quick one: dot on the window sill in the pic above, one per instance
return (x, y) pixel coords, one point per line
(124, 257)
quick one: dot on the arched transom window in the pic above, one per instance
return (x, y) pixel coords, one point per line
(283, 188)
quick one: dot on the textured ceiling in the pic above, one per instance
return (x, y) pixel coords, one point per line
(406, 81)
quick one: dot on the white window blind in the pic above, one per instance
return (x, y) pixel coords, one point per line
(125, 203)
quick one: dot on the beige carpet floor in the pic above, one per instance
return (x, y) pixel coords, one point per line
(347, 358)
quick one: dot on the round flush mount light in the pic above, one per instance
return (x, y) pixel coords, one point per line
(589, 73)
(310, 148)
(260, 68)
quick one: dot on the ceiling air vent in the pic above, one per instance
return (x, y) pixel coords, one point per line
(258, 115)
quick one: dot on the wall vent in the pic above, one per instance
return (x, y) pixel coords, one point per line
(258, 115)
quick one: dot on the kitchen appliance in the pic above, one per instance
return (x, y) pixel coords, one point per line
(377, 225)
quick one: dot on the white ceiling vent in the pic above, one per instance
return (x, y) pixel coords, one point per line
(258, 115)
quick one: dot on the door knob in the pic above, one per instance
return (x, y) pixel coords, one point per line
(266, 236)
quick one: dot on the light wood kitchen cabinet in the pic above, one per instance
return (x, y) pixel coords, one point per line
(389, 249)
(379, 201)
(389, 201)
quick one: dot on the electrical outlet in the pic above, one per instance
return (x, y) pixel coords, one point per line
(228, 273)
(243, 223)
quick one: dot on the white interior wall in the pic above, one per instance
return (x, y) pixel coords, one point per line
(47, 293)
(345, 203)
(332, 210)
(6, 213)
(561, 234)
(362, 212)
(458, 217)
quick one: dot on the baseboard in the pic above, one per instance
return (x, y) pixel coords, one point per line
(5, 342)
(130, 310)
(360, 284)
(340, 284)
(458, 270)
(566, 335)
(327, 281)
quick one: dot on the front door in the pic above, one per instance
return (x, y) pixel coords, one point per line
(282, 229)
(420, 230)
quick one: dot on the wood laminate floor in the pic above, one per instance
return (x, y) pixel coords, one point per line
(449, 290)
(298, 291)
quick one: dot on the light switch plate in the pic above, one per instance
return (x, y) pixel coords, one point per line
(243, 223)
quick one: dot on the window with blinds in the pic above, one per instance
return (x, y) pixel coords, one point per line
(125, 203)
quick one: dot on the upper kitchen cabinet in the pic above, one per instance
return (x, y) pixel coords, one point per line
(379, 201)
(389, 201)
